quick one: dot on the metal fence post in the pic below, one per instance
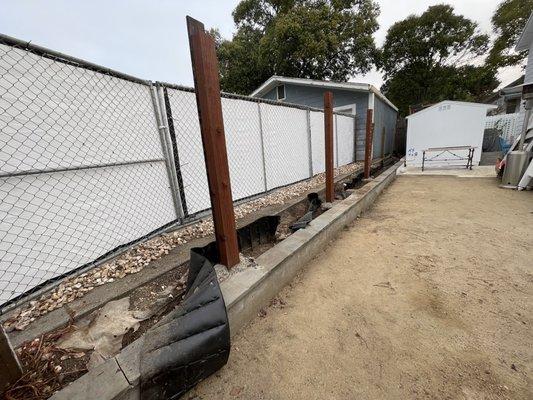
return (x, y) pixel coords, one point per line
(262, 145)
(328, 132)
(209, 103)
(309, 143)
(166, 114)
(167, 152)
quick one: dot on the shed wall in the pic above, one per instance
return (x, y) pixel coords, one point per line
(445, 125)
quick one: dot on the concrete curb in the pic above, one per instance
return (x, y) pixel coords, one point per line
(245, 293)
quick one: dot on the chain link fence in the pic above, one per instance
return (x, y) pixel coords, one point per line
(510, 125)
(92, 160)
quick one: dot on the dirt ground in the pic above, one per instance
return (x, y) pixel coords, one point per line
(427, 296)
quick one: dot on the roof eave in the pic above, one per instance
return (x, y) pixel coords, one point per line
(271, 82)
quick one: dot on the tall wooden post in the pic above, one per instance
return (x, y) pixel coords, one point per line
(207, 88)
(328, 131)
(368, 143)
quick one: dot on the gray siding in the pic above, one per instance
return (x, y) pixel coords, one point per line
(384, 121)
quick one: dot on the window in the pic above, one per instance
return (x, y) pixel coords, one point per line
(281, 92)
(347, 109)
(512, 106)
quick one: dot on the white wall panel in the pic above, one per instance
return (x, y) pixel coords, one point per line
(345, 137)
(52, 223)
(243, 143)
(318, 142)
(286, 144)
(55, 115)
(446, 124)
(190, 149)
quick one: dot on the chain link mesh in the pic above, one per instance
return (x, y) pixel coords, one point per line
(81, 167)
(91, 159)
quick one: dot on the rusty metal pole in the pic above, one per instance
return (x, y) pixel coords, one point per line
(368, 143)
(207, 88)
(328, 131)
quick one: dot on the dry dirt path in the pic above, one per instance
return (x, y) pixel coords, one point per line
(427, 296)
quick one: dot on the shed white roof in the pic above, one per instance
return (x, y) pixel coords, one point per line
(526, 37)
(275, 80)
(452, 102)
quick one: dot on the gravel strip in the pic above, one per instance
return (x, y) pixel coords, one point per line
(135, 259)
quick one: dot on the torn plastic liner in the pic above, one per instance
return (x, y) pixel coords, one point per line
(190, 343)
(314, 204)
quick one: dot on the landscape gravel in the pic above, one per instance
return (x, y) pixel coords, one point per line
(139, 256)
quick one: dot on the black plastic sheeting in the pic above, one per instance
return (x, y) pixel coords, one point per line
(314, 204)
(260, 231)
(190, 343)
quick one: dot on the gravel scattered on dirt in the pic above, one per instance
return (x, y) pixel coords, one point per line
(138, 257)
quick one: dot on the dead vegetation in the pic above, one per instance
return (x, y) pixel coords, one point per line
(47, 368)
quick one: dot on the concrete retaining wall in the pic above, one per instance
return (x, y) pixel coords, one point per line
(245, 293)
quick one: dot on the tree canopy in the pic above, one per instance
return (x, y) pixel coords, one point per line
(319, 39)
(508, 21)
(435, 56)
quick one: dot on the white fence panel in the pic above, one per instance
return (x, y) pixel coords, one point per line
(190, 149)
(509, 124)
(243, 143)
(318, 142)
(52, 223)
(56, 115)
(286, 144)
(345, 137)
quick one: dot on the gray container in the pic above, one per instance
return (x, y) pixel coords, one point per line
(514, 168)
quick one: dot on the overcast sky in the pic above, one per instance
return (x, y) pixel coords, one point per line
(148, 39)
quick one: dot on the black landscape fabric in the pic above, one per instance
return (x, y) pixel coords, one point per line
(190, 343)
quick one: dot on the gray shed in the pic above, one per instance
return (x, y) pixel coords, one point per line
(349, 97)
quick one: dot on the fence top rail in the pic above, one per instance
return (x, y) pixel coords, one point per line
(66, 59)
(252, 99)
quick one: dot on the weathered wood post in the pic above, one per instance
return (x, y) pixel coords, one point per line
(207, 88)
(328, 131)
(382, 147)
(10, 369)
(368, 142)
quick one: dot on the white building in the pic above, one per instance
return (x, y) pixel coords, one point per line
(446, 124)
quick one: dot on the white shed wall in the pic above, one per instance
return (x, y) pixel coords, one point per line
(445, 124)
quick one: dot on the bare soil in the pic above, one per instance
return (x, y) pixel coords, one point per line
(427, 296)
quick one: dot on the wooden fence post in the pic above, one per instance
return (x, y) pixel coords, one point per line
(10, 369)
(382, 147)
(368, 143)
(328, 130)
(207, 88)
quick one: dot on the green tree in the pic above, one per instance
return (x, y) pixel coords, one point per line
(508, 21)
(429, 57)
(319, 39)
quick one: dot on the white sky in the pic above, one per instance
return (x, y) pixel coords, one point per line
(148, 39)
